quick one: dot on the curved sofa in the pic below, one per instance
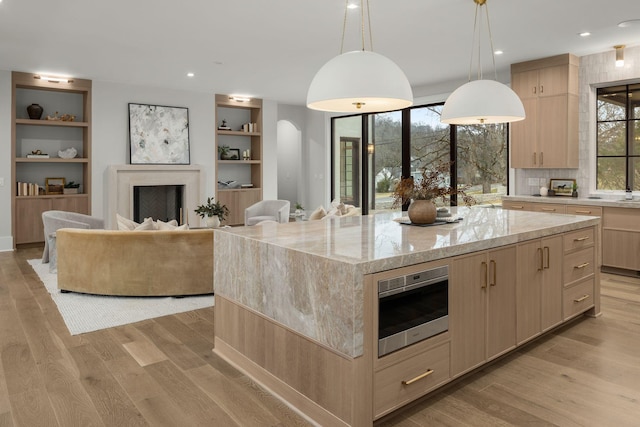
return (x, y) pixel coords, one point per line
(135, 263)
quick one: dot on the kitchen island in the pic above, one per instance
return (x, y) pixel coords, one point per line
(297, 304)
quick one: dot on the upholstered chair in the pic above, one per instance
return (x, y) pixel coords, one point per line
(54, 220)
(267, 210)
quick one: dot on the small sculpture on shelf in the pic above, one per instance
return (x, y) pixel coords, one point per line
(224, 125)
(62, 118)
(69, 153)
(34, 111)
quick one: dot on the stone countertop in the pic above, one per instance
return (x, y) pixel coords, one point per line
(617, 202)
(309, 276)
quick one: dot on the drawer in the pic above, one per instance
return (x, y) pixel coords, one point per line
(548, 207)
(583, 238)
(519, 206)
(389, 384)
(584, 210)
(578, 298)
(578, 265)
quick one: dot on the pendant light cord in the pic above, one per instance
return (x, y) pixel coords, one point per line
(362, 25)
(344, 25)
(478, 29)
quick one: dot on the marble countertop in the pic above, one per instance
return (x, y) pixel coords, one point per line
(617, 202)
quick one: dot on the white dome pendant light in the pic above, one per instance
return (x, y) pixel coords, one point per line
(360, 81)
(482, 101)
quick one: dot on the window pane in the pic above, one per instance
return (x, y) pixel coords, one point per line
(385, 155)
(347, 139)
(611, 171)
(430, 140)
(482, 162)
(635, 169)
(634, 101)
(611, 139)
(612, 103)
(634, 137)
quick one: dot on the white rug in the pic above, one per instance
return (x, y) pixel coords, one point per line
(85, 313)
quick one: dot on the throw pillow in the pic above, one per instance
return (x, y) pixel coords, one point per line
(319, 213)
(147, 224)
(125, 223)
(337, 204)
(161, 225)
(182, 227)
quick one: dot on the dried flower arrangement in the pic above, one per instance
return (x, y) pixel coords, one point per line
(432, 185)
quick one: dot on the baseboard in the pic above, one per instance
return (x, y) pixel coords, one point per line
(6, 243)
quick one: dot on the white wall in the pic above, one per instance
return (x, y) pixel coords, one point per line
(6, 240)
(289, 161)
(269, 149)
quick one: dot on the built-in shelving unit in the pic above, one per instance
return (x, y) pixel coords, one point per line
(236, 114)
(49, 136)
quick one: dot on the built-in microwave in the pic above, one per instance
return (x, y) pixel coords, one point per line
(412, 308)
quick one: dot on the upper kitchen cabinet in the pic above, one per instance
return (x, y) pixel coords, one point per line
(548, 136)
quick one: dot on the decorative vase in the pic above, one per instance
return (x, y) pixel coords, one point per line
(422, 212)
(213, 221)
(34, 111)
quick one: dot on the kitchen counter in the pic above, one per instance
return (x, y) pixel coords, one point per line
(604, 202)
(308, 275)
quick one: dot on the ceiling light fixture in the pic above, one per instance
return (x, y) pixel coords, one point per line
(584, 34)
(52, 79)
(360, 81)
(190, 74)
(619, 55)
(239, 98)
(482, 101)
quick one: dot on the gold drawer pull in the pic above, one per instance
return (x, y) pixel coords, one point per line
(549, 209)
(579, 211)
(581, 239)
(418, 378)
(582, 298)
(583, 265)
(517, 207)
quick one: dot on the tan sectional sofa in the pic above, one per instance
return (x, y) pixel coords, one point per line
(135, 263)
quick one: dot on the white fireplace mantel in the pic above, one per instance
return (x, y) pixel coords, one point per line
(123, 178)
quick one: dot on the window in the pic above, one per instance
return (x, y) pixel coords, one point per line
(401, 143)
(618, 138)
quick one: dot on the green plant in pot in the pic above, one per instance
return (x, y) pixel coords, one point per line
(71, 187)
(223, 151)
(213, 212)
(431, 185)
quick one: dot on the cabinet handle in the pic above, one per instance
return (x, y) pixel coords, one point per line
(583, 265)
(548, 209)
(582, 298)
(517, 207)
(492, 262)
(484, 266)
(534, 158)
(541, 88)
(418, 378)
(584, 212)
(581, 239)
(541, 262)
(546, 251)
(535, 90)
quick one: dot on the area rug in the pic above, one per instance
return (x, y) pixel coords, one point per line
(85, 313)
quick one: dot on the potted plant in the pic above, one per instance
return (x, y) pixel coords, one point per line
(223, 151)
(422, 193)
(574, 192)
(71, 188)
(214, 212)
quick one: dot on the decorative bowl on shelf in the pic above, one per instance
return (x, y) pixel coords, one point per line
(69, 153)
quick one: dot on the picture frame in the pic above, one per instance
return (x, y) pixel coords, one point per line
(158, 134)
(54, 185)
(562, 186)
(234, 154)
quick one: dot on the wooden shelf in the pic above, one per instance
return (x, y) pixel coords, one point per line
(239, 162)
(52, 196)
(51, 160)
(237, 133)
(226, 190)
(51, 123)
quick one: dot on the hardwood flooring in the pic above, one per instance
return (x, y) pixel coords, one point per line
(162, 372)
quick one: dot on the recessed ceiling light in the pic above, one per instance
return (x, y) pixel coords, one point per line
(629, 23)
(584, 34)
(498, 52)
(350, 6)
(188, 74)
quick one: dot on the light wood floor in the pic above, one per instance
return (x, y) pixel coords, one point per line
(162, 372)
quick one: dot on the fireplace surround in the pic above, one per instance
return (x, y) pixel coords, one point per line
(122, 179)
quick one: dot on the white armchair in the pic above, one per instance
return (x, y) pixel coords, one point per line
(54, 220)
(267, 210)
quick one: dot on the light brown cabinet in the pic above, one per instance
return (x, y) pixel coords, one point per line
(539, 287)
(580, 273)
(239, 138)
(548, 136)
(48, 136)
(482, 307)
(621, 238)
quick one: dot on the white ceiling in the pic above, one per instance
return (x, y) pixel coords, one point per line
(272, 48)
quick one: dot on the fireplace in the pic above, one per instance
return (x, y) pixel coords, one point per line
(163, 202)
(123, 180)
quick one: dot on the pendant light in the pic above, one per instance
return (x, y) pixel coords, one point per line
(360, 81)
(619, 55)
(482, 101)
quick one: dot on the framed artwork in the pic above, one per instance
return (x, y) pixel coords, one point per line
(158, 134)
(562, 187)
(54, 185)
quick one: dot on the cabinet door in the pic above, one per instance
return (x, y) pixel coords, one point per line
(501, 305)
(552, 131)
(552, 250)
(246, 198)
(230, 200)
(524, 137)
(71, 204)
(530, 259)
(553, 80)
(29, 227)
(525, 84)
(467, 311)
